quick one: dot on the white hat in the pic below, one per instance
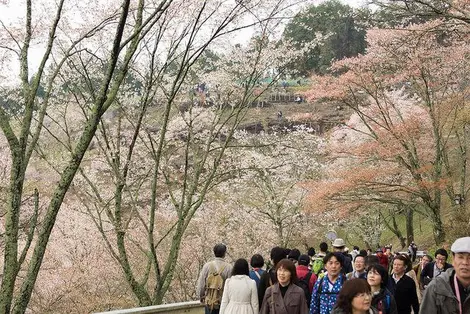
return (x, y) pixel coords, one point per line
(338, 242)
(461, 245)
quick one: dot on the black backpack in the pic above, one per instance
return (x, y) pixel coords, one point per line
(304, 284)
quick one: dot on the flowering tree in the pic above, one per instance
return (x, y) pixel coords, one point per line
(268, 186)
(23, 127)
(161, 151)
(399, 146)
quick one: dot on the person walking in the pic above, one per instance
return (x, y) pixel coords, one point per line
(240, 294)
(256, 263)
(269, 277)
(382, 298)
(449, 293)
(212, 279)
(284, 297)
(419, 268)
(339, 246)
(434, 269)
(326, 289)
(403, 287)
(306, 278)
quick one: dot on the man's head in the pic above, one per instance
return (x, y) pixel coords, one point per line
(323, 247)
(425, 260)
(338, 245)
(304, 260)
(379, 252)
(401, 265)
(333, 263)
(461, 259)
(277, 253)
(441, 258)
(311, 251)
(219, 250)
(257, 261)
(359, 263)
(370, 260)
(356, 248)
(294, 255)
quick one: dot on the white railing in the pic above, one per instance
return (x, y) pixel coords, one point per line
(191, 307)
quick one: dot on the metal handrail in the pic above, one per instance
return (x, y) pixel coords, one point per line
(192, 307)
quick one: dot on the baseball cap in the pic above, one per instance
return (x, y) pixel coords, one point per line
(304, 260)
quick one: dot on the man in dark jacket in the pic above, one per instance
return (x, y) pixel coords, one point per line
(403, 287)
(434, 269)
(450, 292)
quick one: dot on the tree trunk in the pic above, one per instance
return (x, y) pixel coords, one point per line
(397, 232)
(394, 227)
(409, 225)
(438, 227)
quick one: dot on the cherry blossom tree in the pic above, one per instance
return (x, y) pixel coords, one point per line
(161, 150)
(400, 145)
(269, 184)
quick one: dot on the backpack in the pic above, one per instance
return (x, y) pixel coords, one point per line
(214, 287)
(304, 284)
(380, 306)
(317, 265)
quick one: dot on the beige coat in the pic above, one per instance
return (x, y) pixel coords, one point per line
(240, 296)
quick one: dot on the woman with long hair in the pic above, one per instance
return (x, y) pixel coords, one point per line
(240, 294)
(354, 298)
(285, 297)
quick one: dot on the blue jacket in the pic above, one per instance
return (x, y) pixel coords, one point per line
(324, 299)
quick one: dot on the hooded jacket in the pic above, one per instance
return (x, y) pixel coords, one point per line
(440, 299)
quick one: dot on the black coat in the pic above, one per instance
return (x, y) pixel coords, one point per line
(427, 274)
(267, 279)
(347, 264)
(404, 292)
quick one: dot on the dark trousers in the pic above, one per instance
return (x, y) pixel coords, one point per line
(209, 311)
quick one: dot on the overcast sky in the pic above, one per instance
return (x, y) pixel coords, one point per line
(12, 9)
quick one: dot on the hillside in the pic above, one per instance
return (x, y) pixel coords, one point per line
(321, 116)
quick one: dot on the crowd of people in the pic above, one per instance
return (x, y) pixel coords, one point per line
(338, 282)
